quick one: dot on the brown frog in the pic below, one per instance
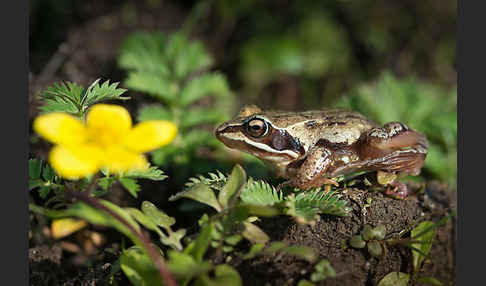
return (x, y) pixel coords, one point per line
(311, 148)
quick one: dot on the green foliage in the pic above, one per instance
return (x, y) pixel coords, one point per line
(74, 99)
(43, 178)
(174, 70)
(423, 107)
(154, 219)
(323, 269)
(302, 50)
(395, 279)
(371, 238)
(261, 193)
(423, 234)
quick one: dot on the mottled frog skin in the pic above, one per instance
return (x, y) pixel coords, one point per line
(310, 148)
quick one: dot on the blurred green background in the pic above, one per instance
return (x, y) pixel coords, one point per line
(391, 60)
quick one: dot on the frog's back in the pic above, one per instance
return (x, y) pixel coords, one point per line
(333, 125)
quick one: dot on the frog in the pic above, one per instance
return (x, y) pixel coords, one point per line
(312, 148)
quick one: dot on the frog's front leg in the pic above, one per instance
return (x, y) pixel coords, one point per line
(310, 172)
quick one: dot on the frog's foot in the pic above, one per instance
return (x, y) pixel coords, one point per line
(394, 148)
(397, 190)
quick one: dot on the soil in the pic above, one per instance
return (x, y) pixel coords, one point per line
(355, 267)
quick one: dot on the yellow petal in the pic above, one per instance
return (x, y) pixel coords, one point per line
(65, 226)
(77, 162)
(108, 124)
(150, 135)
(60, 128)
(119, 160)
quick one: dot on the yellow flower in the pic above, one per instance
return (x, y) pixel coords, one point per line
(107, 140)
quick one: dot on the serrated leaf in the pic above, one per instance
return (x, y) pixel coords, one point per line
(260, 193)
(187, 57)
(424, 242)
(130, 185)
(96, 93)
(144, 51)
(204, 85)
(63, 97)
(153, 173)
(106, 182)
(233, 186)
(201, 193)
(157, 216)
(153, 84)
(395, 279)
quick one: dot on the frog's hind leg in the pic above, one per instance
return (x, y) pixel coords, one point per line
(311, 170)
(394, 148)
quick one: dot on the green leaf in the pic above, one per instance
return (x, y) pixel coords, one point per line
(254, 234)
(255, 249)
(201, 193)
(154, 112)
(96, 216)
(106, 182)
(201, 244)
(139, 268)
(304, 282)
(259, 210)
(63, 97)
(357, 241)
(223, 275)
(35, 167)
(159, 217)
(187, 57)
(374, 248)
(430, 281)
(35, 183)
(395, 279)
(156, 85)
(260, 193)
(174, 239)
(130, 185)
(233, 186)
(44, 191)
(143, 219)
(153, 173)
(424, 242)
(204, 85)
(144, 51)
(185, 267)
(96, 93)
(300, 251)
(323, 270)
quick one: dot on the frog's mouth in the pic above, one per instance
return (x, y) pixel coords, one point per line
(232, 137)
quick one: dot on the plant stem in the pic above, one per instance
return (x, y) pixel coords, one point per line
(92, 184)
(151, 251)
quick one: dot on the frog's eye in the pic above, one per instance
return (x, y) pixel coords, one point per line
(256, 127)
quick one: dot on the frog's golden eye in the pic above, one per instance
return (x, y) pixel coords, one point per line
(256, 127)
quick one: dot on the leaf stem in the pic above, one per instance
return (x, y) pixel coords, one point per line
(151, 251)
